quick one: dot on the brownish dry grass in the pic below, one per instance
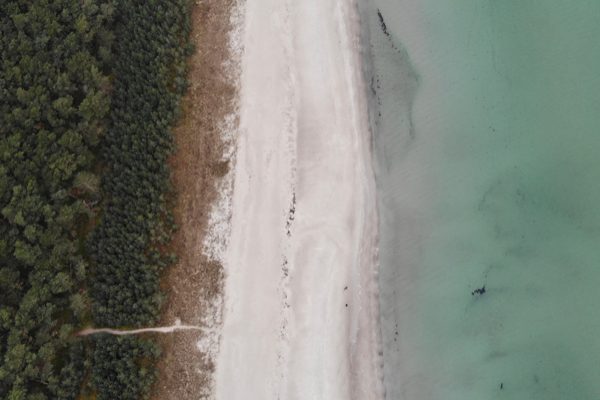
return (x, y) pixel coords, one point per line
(191, 284)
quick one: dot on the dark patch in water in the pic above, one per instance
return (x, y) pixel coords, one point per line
(478, 291)
(382, 22)
(404, 87)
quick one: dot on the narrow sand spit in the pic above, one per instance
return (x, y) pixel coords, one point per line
(301, 311)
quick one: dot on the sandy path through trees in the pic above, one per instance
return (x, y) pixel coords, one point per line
(163, 329)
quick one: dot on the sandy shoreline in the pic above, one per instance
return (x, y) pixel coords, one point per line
(301, 294)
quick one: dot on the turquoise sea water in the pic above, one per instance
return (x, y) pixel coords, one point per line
(486, 127)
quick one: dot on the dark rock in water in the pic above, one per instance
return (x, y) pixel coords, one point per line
(501, 385)
(478, 291)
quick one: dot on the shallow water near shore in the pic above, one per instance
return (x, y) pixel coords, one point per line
(486, 145)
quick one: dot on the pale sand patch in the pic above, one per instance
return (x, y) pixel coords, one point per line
(301, 310)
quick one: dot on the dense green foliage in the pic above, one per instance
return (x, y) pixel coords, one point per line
(53, 104)
(136, 222)
(73, 373)
(117, 370)
(85, 86)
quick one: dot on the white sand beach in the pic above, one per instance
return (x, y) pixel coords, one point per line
(301, 315)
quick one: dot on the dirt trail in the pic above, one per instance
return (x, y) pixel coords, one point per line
(164, 329)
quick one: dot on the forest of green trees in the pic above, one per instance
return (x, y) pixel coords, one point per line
(89, 91)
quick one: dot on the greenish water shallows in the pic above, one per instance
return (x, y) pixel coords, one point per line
(486, 118)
